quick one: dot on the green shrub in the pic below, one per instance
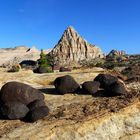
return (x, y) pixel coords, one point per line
(44, 65)
(109, 64)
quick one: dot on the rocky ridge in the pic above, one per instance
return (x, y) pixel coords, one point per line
(12, 56)
(72, 48)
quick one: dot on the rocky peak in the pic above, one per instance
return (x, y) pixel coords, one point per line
(72, 48)
(113, 54)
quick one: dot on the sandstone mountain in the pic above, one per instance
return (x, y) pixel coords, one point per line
(72, 48)
(11, 56)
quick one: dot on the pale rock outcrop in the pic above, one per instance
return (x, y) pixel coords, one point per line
(13, 56)
(72, 48)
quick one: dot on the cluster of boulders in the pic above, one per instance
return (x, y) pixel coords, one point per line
(105, 82)
(21, 101)
(111, 85)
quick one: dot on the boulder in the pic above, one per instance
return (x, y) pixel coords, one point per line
(66, 84)
(36, 104)
(106, 80)
(19, 92)
(14, 110)
(63, 69)
(37, 113)
(116, 89)
(43, 69)
(90, 87)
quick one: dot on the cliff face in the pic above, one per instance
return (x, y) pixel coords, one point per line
(12, 56)
(72, 48)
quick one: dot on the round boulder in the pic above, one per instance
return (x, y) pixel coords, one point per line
(14, 110)
(37, 113)
(90, 87)
(63, 69)
(66, 84)
(106, 80)
(36, 104)
(19, 92)
(116, 89)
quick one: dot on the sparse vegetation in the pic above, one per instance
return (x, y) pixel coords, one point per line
(15, 68)
(97, 62)
(44, 64)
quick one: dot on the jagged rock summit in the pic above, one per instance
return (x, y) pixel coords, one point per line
(72, 48)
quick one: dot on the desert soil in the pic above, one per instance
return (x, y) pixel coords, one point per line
(66, 110)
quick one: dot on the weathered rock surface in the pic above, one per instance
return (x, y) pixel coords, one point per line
(13, 56)
(19, 92)
(63, 69)
(113, 54)
(105, 80)
(132, 73)
(66, 84)
(116, 89)
(36, 104)
(81, 117)
(72, 48)
(37, 113)
(14, 110)
(90, 87)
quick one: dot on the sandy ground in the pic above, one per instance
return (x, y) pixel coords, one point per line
(65, 110)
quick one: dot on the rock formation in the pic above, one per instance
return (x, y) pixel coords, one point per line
(21, 101)
(14, 110)
(66, 84)
(77, 117)
(19, 92)
(72, 48)
(90, 87)
(12, 56)
(114, 54)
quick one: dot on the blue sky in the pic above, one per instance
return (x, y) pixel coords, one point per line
(110, 24)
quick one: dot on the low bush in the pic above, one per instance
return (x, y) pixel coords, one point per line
(15, 68)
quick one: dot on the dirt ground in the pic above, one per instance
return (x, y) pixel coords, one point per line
(65, 109)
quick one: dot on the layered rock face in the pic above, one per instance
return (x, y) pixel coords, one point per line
(72, 48)
(12, 56)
